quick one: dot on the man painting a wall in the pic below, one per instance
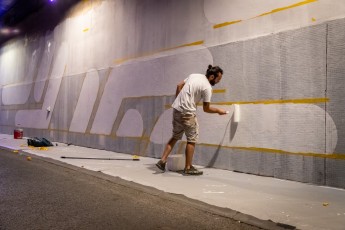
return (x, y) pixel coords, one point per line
(188, 94)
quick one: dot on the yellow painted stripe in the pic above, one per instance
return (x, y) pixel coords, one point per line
(122, 60)
(267, 13)
(294, 101)
(219, 90)
(186, 45)
(267, 102)
(225, 24)
(86, 29)
(279, 151)
(288, 7)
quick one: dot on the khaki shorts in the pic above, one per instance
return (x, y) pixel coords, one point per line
(185, 123)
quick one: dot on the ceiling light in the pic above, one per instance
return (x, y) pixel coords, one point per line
(5, 31)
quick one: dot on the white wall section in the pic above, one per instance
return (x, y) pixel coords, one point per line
(137, 79)
(44, 67)
(86, 102)
(40, 118)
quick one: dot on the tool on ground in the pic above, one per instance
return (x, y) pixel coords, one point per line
(134, 158)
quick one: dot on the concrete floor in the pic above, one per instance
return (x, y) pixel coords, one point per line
(305, 206)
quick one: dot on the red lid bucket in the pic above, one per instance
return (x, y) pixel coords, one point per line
(18, 134)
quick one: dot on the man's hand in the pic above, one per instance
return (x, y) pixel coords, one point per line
(222, 112)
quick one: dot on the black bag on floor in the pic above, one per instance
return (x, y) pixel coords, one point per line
(39, 142)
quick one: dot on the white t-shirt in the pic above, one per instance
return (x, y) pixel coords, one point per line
(196, 87)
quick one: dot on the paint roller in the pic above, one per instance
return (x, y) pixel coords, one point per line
(236, 113)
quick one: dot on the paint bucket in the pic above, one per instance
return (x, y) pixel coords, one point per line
(18, 134)
(176, 162)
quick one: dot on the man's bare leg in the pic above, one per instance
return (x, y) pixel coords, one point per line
(189, 154)
(169, 146)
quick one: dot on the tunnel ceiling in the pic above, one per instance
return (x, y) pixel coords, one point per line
(23, 17)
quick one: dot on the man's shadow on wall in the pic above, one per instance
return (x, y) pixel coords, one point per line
(233, 128)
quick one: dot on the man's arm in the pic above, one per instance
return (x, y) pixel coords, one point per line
(208, 109)
(179, 88)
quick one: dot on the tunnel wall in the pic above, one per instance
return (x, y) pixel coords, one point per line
(105, 78)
